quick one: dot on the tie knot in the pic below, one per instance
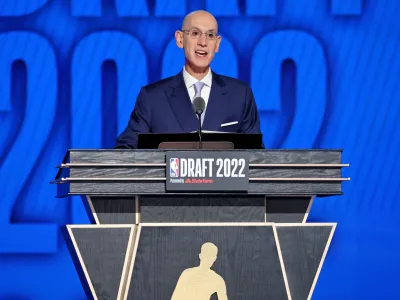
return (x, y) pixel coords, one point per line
(197, 88)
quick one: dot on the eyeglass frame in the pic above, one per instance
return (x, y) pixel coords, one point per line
(189, 31)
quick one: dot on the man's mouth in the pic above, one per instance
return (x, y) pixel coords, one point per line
(201, 53)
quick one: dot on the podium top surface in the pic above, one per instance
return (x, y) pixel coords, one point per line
(269, 150)
(239, 140)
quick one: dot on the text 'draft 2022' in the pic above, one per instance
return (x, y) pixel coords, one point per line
(207, 171)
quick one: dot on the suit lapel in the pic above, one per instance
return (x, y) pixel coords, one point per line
(179, 100)
(217, 103)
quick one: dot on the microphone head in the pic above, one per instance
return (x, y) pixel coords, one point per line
(198, 105)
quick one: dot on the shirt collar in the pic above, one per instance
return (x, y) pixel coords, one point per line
(190, 80)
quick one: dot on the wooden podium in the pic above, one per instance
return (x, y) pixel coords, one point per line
(146, 243)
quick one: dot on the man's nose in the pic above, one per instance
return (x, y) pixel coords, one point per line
(202, 41)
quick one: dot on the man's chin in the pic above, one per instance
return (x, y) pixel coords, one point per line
(200, 64)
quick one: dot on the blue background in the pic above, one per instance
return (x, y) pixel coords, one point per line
(325, 74)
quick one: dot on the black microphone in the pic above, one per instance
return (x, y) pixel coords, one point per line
(198, 106)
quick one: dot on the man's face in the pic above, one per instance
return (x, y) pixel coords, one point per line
(198, 40)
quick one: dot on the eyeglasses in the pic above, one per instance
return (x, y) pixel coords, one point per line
(196, 33)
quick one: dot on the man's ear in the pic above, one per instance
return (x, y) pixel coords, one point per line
(179, 38)
(218, 42)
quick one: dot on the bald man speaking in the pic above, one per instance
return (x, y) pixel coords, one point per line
(166, 106)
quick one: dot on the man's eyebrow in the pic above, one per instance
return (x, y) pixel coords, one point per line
(194, 27)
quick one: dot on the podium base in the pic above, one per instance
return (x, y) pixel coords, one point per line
(253, 260)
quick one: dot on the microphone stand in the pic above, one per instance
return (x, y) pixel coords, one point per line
(200, 133)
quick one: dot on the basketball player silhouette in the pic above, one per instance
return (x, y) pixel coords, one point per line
(200, 283)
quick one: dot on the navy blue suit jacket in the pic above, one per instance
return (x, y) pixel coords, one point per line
(165, 107)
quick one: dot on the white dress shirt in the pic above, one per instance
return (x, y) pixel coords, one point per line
(190, 81)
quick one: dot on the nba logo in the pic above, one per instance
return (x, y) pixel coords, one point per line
(174, 167)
